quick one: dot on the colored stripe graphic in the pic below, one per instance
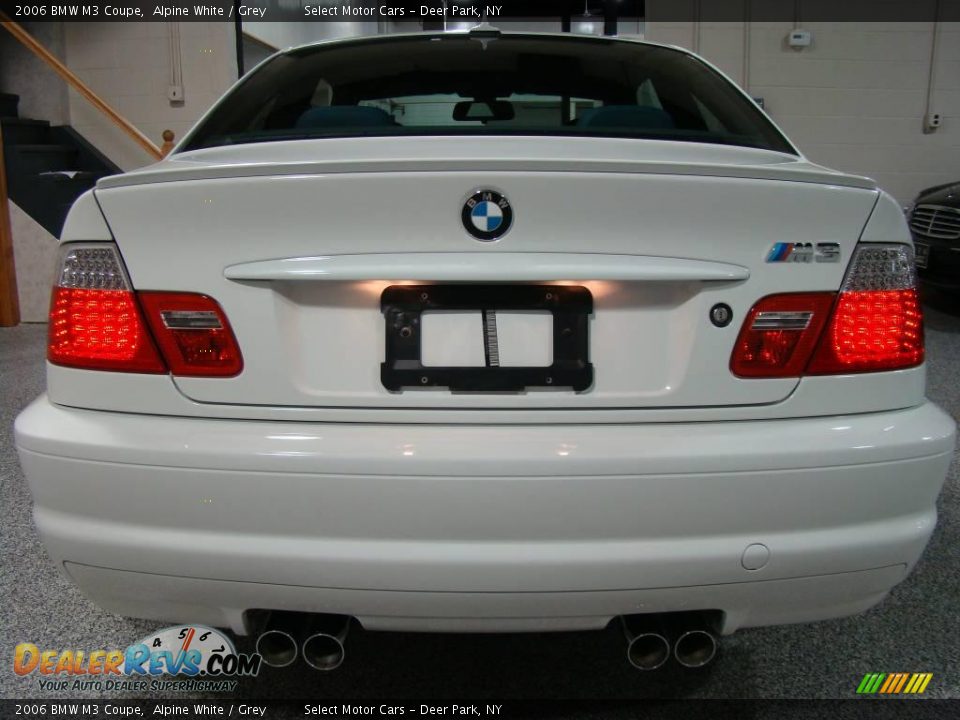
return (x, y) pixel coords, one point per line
(914, 682)
(865, 683)
(780, 252)
(870, 683)
(918, 683)
(894, 683)
(901, 683)
(890, 683)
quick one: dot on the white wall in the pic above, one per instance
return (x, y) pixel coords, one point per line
(288, 34)
(282, 35)
(855, 99)
(35, 251)
(129, 66)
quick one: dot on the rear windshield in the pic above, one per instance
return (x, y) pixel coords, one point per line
(509, 85)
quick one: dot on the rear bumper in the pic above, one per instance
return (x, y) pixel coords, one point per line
(484, 527)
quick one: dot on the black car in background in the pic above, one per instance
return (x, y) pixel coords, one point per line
(934, 220)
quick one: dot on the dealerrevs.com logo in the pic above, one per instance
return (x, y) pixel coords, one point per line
(204, 655)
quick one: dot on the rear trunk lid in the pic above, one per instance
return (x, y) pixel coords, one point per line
(298, 240)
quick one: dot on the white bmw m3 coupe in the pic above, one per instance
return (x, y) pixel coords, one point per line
(486, 332)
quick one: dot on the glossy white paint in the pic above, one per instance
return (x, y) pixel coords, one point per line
(85, 221)
(487, 267)
(541, 509)
(321, 344)
(302, 484)
(223, 603)
(483, 154)
(887, 222)
(813, 397)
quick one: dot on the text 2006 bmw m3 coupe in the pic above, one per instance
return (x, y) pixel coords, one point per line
(487, 332)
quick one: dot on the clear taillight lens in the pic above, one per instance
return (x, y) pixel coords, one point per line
(98, 322)
(874, 323)
(877, 323)
(95, 322)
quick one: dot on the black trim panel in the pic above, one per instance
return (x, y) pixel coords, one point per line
(403, 305)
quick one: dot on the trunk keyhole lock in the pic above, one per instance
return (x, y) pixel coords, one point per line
(721, 314)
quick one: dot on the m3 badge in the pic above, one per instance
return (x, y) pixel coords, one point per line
(825, 252)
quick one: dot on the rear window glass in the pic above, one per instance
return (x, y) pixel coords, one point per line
(510, 85)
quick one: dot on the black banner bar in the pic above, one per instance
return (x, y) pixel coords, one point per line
(80, 709)
(498, 12)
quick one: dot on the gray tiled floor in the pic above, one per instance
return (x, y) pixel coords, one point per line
(915, 629)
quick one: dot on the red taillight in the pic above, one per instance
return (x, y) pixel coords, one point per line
(193, 334)
(100, 330)
(96, 322)
(874, 324)
(779, 335)
(872, 330)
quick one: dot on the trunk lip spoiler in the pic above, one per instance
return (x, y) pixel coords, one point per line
(467, 155)
(171, 171)
(486, 267)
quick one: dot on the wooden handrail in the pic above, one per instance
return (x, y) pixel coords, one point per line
(9, 301)
(167, 143)
(81, 87)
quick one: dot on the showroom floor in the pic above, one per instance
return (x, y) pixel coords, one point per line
(914, 630)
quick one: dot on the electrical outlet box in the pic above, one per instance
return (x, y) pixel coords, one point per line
(931, 122)
(175, 93)
(799, 39)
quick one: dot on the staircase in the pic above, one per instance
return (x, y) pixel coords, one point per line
(47, 167)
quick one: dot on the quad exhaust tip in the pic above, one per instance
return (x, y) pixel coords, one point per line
(695, 648)
(686, 636)
(318, 638)
(321, 640)
(648, 651)
(324, 652)
(277, 648)
(324, 641)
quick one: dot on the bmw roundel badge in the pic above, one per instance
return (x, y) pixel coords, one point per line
(487, 215)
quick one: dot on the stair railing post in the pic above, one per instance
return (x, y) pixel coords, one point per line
(28, 41)
(9, 299)
(167, 143)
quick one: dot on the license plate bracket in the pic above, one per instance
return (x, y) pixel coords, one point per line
(570, 306)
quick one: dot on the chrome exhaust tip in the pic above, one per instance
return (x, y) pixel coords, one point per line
(647, 647)
(277, 648)
(695, 648)
(648, 651)
(325, 650)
